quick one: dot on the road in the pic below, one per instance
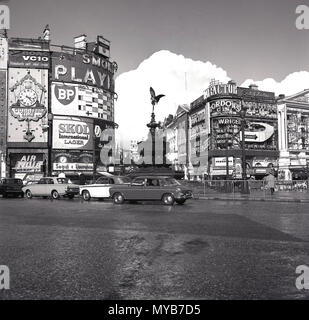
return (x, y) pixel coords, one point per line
(70, 249)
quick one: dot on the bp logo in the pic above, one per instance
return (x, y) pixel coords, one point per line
(65, 94)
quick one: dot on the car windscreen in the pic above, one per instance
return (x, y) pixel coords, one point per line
(14, 181)
(63, 180)
(122, 180)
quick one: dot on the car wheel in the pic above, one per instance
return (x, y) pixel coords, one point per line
(5, 195)
(182, 201)
(168, 199)
(55, 195)
(28, 194)
(22, 195)
(118, 198)
(86, 195)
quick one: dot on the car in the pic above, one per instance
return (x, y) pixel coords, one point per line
(100, 189)
(11, 186)
(163, 188)
(54, 187)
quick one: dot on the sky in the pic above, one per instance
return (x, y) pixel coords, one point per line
(245, 40)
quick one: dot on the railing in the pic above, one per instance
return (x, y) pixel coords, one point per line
(258, 188)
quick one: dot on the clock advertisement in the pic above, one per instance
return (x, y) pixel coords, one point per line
(72, 160)
(27, 105)
(81, 100)
(72, 133)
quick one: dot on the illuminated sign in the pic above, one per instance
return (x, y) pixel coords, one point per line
(29, 59)
(82, 100)
(225, 107)
(220, 89)
(88, 69)
(27, 105)
(72, 133)
(72, 161)
(23, 163)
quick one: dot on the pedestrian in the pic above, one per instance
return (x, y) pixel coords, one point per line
(270, 182)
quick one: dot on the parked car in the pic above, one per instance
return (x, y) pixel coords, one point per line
(51, 186)
(166, 189)
(11, 186)
(100, 189)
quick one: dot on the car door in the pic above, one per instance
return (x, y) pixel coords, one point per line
(39, 188)
(152, 189)
(101, 188)
(135, 191)
(49, 187)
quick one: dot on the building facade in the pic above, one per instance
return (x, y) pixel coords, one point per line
(293, 121)
(59, 115)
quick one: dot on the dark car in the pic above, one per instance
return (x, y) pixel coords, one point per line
(166, 189)
(11, 187)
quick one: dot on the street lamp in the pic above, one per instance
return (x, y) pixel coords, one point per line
(243, 148)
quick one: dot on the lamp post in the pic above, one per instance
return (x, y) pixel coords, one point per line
(243, 149)
(153, 125)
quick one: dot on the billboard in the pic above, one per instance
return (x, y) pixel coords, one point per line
(3, 106)
(28, 44)
(29, 59)
(90, 69)
(3, 53)
(26, 163)
(72, 133)
(81, 100)
(27, 105)
(72, 160)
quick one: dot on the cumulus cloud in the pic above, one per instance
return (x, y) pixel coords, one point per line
(293, 83)
(182, 80)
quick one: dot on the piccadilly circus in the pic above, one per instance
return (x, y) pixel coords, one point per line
(57, 111)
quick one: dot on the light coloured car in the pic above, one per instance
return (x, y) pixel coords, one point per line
(100, 189)
(54, 187)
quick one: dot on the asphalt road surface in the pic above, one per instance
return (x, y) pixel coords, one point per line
(70, 249)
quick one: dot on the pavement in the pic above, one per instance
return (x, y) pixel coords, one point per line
(278, 196)
(70, 249)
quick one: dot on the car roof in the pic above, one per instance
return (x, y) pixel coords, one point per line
(153, 177)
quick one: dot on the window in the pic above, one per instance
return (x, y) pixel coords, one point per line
(170, 182)
(60, 180)
(138, 182)
(49, 181)
(42, 181)
(153, 183)
(102, 180)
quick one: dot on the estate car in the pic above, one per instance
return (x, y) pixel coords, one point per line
(166, 189)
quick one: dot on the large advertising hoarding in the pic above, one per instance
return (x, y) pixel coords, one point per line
(3, 106)
(72, 160)
(298, 129)
(29, 59)
(260, 125)
(89, 69)
(27, 105)
(82, 100)
(26, 163)
(72, 133)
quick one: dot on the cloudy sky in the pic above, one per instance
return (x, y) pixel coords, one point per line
(158, 42)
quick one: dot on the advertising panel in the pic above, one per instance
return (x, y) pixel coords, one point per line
(72, 160)
(89, 69)
(225, 107)
(3, 106)
(3, 53)
(26, 163)
(28, 44)
(28, 101)
(81, 100)
(72, 133)
(29, 59)
(298, 129)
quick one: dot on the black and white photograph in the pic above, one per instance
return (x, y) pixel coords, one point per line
(156, 151)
